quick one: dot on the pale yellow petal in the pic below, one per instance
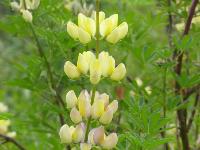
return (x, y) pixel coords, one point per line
(71, 99)
(95, 72)
(84, 37)
(65, 134)
(72, 30)
(119, 72)
(71, 70)
(75, 115)
(110, 141)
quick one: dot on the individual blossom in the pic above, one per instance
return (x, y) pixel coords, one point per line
(70, 134)
(3, 108)
(5, 124)
(71, 70)
(119, 72)
(97, 137)
(84, 31)
(71, 99)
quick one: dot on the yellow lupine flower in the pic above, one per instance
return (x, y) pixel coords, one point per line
(118, 33)
(106, 117)
(107, 63)
(84, 105)
(113, 106)
(119, 72)
(75, 115)
(98, 135)
(84, 31)
(71, 99)
(3, 107)
(95, 71)
(66, 134)
(97, 109)
(108, 25)
(71, 70)
(78, 133)
(87, 24)
(84, 61)
(110, 141)
(85, 146)
(102, 97)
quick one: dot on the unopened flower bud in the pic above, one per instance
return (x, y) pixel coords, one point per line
(3, 107)
(71, 99)
(75, 115)
(11, 134)
(138, 81)
(27, 15)
(78, 134)
(113, 106)
(66, 134)
(15, 6)
(85, 146)
(148, 90)
(107, 116)
(95, 72)
(71, 70)
(119, 72)
(4, 124)
(118, 33)
(110, 141)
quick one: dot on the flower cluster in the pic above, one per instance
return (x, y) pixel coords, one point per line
(25, 7)
(86, 28)
(81, 109)
(4, 124)
(104, 66)
(94, 109)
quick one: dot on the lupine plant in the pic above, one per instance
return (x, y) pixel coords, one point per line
(92, 106)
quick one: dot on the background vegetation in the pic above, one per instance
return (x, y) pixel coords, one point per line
(146, 120)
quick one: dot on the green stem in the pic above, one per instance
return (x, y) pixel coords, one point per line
(89, 119)
(97, 53)
(97, 28)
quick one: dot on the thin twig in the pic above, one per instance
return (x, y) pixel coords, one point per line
(9, 139)
(58, 98)
(182, 113)
(193, 112)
